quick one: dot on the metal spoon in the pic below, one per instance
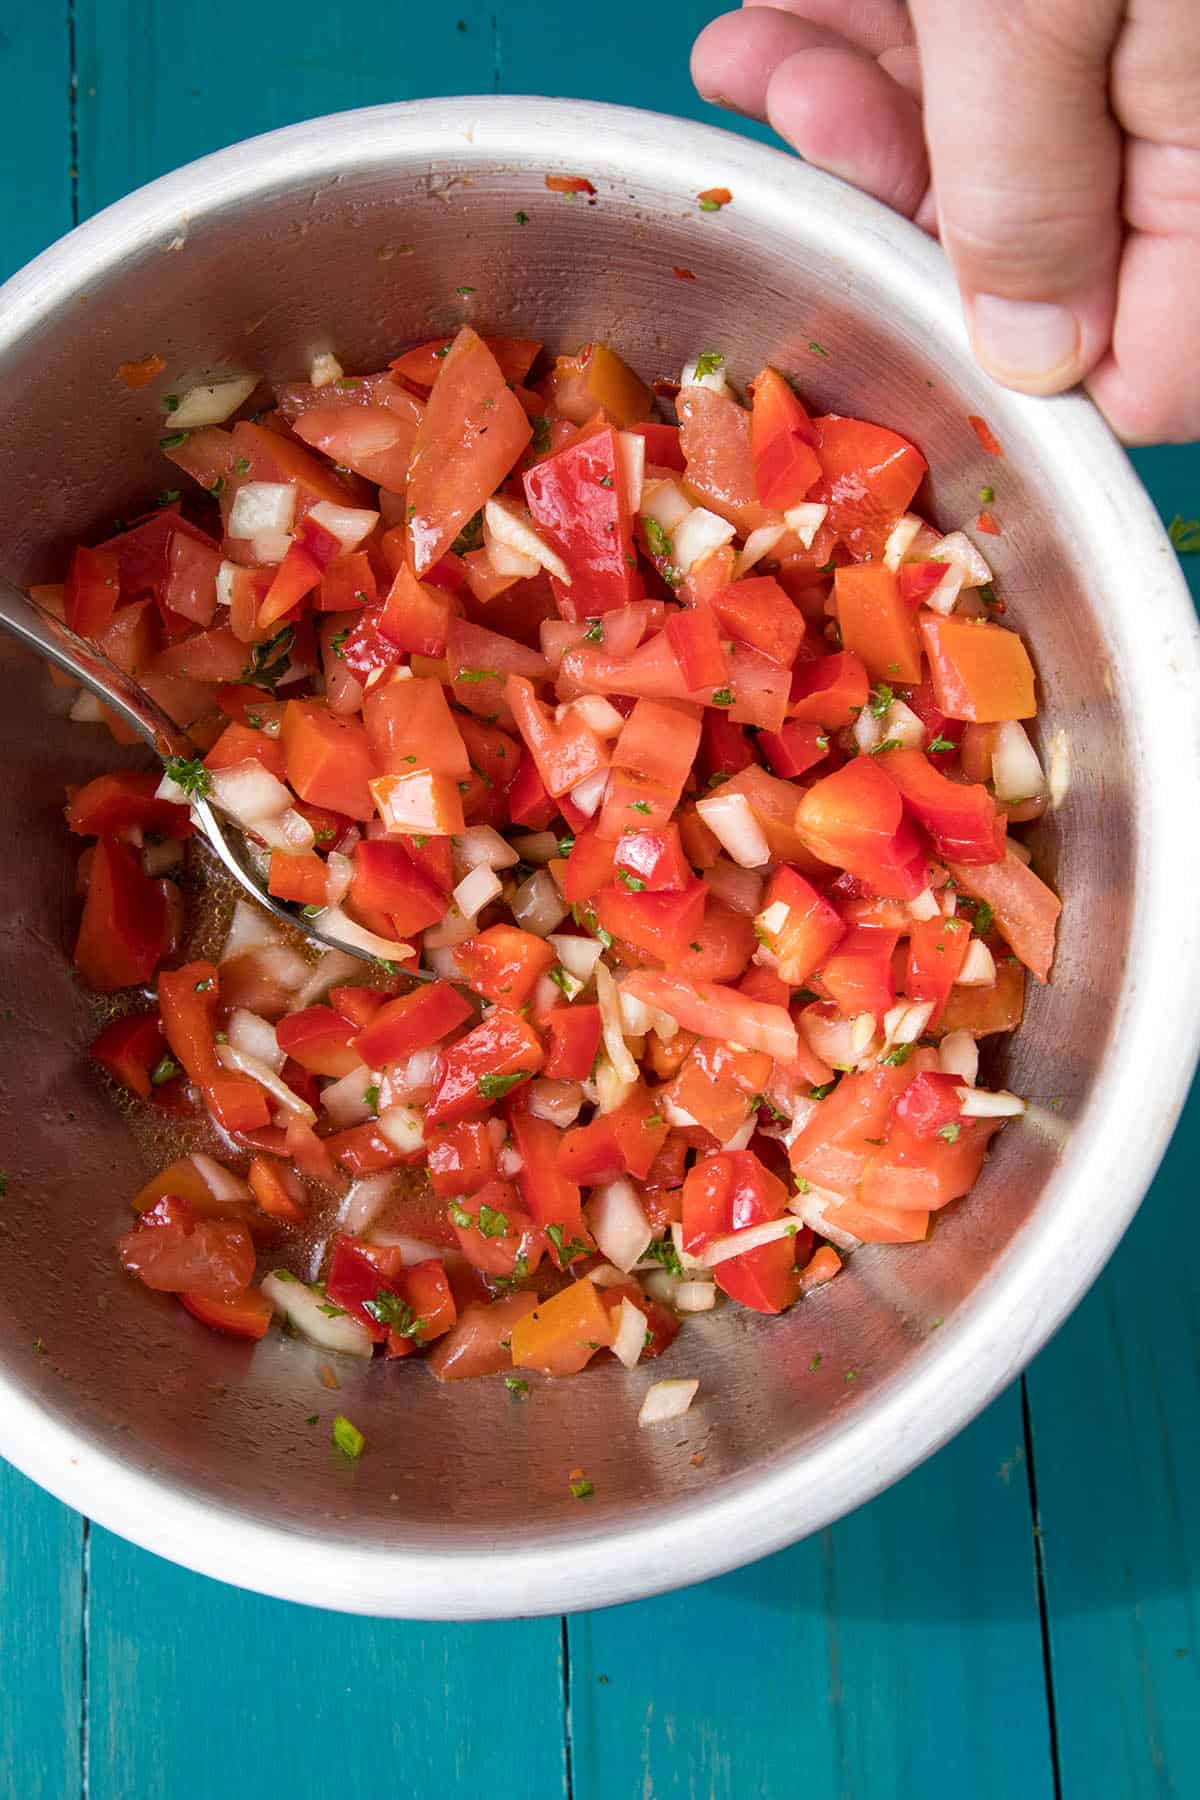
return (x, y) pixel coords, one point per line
(33, 626)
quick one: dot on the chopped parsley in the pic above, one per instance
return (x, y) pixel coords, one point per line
(388, 968)
(540, 441)
(464, 291)
(491, 1223)
(881, 698)
(595, 632)
(174, 440)
(987, 495)
(473, 676)
(984, 917)
(1185, 535)
(163, 1071)
(269, 661)
(494, 1087)
(642, 806)
(507, 1283)
(818, 349)
(803, 1184)
(662, 1250)
(242, 465)
(169, 496)
(338, 644)
(634, 883)
(170, 403)
(522, 218)
(516, 1384)
(565, 983)
(710, 206)
(371, 1096)
(887, 744)
(206, 986)
(461, 1217)
(896, 1057)
(331, 1311)
(566, 1252)
(190, 774)
(656, 538)
(348, 1438)
(722, 697)
(819, 1093)
(760, 1101)
(470, 537)
(3, 1182)
(313, 1419)
(604, 481)
(582, 1489)
(941, 743)
(709, 361)
(951, 1132)
(390, 1310)
(818, 1359)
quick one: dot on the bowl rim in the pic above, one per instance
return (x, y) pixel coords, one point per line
(1041, 1276)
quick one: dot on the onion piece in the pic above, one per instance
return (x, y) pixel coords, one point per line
(260, 507)
(631, 446)
(331, 967)
(980, 1103)
(412, 1250)
(667, 1400)
(838, 1041)
(618, 1224)
(665, 502)
(364, 1202)
(741, 1137)
(868, 731)
(900, 540)
(290, 832)
(506, 525)
(404, 1128)
(1017, 773)
(86, 709)
(630, 1338)
(339, 924)
(537, 848)
(597, 713)
(958, 1054)
(588, 794)
(688, 1262)
(324, 369)
(221, 1182)
(957, 548)
(557, 1101)
(255, 1037)
(578, 955)
(979, 966)
(211, 402)
(806, 520)
(901, 724)
(760, 543)
(696, 535)
(610, 1025)
(482, 847)
(612, 1088)
(339, 876)
(412, 1078)
(249, 793)
(695, 1296)
(733, 824)
(249, 929)
(811, 1208)
(280, 1092)
(301, 1306)
(345, 1100)
(454, 929)
(661, 1286)
(713, 378)
(944, 597)
(925, 906)
(537, 905)
(736, 1243)
(350, 525)
(477, 890)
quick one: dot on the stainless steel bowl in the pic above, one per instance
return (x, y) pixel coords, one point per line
(360, 233)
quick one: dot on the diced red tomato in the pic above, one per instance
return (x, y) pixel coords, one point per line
(319, 1040)
(574, 1042)
(577, 500)
(1026, 910)
(757, 612)
(122, 933)
(622, 1142)
(858, 976)
(830, 691)
(765, 1279)
(658, 924)
(412, 1022)
(868, 478)
(781, 444)
(854, 819)
(483, 1067)
(979, 671)
(247, 1315)
(328, 758)
(877, 624)
(131, 1049)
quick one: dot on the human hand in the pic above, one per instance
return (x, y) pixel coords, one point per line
(1054, 147)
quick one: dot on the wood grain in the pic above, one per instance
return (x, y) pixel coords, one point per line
(35, 170)
(41, 1643)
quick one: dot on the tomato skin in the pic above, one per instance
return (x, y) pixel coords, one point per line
(550, 1193)
(622, 1142)
(355, 1277)
(928, 1104)
(565, 754)
(766, 1279)
(122, 933)
(714, 435)
(811, 932)
(498, 1254)
(595, 379)
(960, 818)
(577, 500)
(426, 1289)
(659, 924)
(299, 878)
(423, 364)
(461, 1158)
(246, 1315)
(911, 1175)
(455, 468)
(92, 589)
(274, 1187)
(868, 478)
(715, 1084)
(854, 819)
(655, 858)
(721, 947)
(209, 1258)
(758, 612)
(113, 805)
(728, 1192)
(858, 976)
(528, 802)
(937, 949)
(985, 1010)
(830, 691)
(387, 880)
(1026, 909)
(320, 1041)
(795, 749)
(574, 1042)
(505, 963)
(562, 1334)
(781, 443)
(693, 636)
(980, 672)
(479, 1343)
(835, 1145)
(411, 1022)
(876, 623)
(663, 449)
(502, 1045)
(724, 747)
(129, 1049)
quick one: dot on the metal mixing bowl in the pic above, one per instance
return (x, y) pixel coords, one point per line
(360, 233)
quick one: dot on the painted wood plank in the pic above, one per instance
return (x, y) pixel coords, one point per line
(898, 1654)
(41, 1643)
(35, 68)
(189, 1680)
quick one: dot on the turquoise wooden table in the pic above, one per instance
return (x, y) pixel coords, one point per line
(1018, 1618)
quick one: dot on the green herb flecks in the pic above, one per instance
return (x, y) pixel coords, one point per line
(390, 1310)
(1185, 535)
(494, 1087)
(709, 362)
(881, 698)
(662, 1250)
(190, 774)
(348, 1438)
(166, 1069)
(471, 535)
(566, 1250)
(270, 661)
(516, 1384)
(582, 1489)
(951, 1132)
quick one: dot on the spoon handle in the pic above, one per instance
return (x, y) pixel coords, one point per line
(32, 625)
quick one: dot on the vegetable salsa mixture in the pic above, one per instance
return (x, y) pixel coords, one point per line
(666, 773)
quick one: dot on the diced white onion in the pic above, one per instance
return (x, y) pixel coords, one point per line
(661, 1286)
(901, 724)
(868, 731)
(249, 929)
(259, 1071)
(667, 1400)
(944, 597)
(696, 535)
(338, 924)
(956, 547)
(505, 561)
(958, 1054)
(364, 1202)
(538, 847)
(324, 369)
(482, 847)
(260, 507)
(687, 1261)
(806, 520)
(454, 929)
(636, 1017)
(557, 1101)
(632, 448)
(537, 905)
(221, 1182)
(339, 877)
(733, 824)
(664, 501)
(578, 955)
(695, 1296)
(211, 402)
(168, 789)
(87, 710)
(949, 901)
(736, 1243)
(760, 543)
(270, 547)
(610, 1023)
(290, 832)
(979, 967)
(812, 1208)
(925, 906)
(773, 919)
(714, 379)
(1016, 772)
(226, 574)
(588, 794)
(249, 793)
(404, 1129)
(1059, 778)
(442, 960)
(839, 1041)
(477, 890)
(675, 1114)
(351, 525)
(255, 1037)
(412, 1250)
(158, 859)
(345, 1100)
(507, 525)
(413, 1077)
(900, 540)
(742, 1135)
(509, 1162)
(979, 1103)
(606, 1276)
(562, 982)
(612, 1088)
(597, 713)
(904, 1022)
(331, 968)
(630, 1336)
(301, 1306)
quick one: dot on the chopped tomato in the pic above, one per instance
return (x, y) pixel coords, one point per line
(877, 625)
(830, 691)
(1026, 910)
(122, 933)
(484, 1066)
(574, 1042)
(858, 976)
(412, 1022)
(122, 805)
(765, 1279)
(578, 501)
(622, 1142)
(131, 1050)
(979, 671)
(855, 820)
(562, 1334)
(328, 758)
(757, 612)
(868, 478)
(319, 1040)
(246, 1315)
(960, 818)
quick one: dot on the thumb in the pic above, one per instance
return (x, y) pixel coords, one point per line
(1026, 164)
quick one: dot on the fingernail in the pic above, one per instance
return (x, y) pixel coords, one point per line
(719, 100)
(1025, 341)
